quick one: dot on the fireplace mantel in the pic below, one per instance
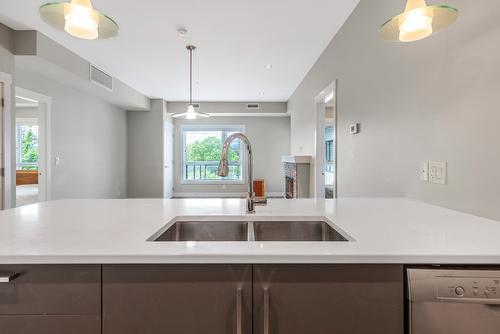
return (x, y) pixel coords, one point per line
(296, 159)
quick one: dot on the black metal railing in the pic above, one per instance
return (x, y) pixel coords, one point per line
(207, 170)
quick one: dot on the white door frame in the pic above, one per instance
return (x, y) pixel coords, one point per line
(168, 168)
(44, 121)
(319, 142)
(6, 79)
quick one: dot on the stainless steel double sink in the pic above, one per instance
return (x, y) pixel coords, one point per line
(282, 230)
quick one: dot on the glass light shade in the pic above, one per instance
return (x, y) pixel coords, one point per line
(418, 22)
(79, 19)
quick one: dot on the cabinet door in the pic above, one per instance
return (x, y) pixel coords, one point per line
(177, 299)
(50, 289)
(328, 299)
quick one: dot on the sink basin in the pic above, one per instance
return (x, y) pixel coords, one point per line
(205, 231)
(295, 231)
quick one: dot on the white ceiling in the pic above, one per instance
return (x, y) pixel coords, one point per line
(235, 39)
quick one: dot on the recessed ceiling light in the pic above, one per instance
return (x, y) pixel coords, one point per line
(269, 66)
(182, 32)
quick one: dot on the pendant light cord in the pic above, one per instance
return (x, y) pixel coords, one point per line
(190, 75)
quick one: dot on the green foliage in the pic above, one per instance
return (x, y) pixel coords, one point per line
(29, 146)
(208, 149)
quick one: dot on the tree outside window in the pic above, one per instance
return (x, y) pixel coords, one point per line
(27, 147)
(202, 152)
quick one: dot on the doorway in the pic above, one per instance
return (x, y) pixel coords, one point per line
(326, 143)
(31, 142)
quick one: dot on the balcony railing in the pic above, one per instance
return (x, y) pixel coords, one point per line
(207, 171)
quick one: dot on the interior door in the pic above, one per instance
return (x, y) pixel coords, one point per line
(326, 299)
(168, 160)
(2, 158)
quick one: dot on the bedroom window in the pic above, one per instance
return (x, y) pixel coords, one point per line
(202, 148)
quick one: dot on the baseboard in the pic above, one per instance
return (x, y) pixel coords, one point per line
(222, 195)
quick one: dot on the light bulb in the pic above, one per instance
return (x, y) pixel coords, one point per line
(80, 22)
(191, 114)
(414, 25)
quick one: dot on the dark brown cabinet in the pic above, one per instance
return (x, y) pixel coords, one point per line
(50, 299)
(180, 299)
(197, 298)
(275, 299)
(326, 299)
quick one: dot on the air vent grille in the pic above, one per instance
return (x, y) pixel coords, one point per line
(253, 106)
(101, 78)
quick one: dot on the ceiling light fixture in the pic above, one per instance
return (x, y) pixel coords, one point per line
(418, 21)
(190, 113)
(269, 66)
(79, 19)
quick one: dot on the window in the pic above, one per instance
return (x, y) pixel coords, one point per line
(202, 148)
(27, 146)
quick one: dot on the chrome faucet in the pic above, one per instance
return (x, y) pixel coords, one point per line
(223, 169)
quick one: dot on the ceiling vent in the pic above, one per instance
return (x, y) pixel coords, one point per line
(101, 78)
(253, 106)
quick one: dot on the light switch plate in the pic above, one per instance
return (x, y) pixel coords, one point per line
(354, 128)
(437, 172)
(424, 171)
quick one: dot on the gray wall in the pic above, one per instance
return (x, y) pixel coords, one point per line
(270, 139)
(145, 151)
(6, 49)
(90, 137)
(436, 99)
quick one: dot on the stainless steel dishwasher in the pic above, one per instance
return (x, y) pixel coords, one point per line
(446, 301)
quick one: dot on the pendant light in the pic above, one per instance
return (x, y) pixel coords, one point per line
(79, 19)
(190, 113)
(418, 21)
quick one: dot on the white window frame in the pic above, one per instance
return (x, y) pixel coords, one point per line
(25, 122)
(211, 127)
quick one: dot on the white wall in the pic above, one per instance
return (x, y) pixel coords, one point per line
(90, 137)
(435, 99)
(145, 151)
(270, 139)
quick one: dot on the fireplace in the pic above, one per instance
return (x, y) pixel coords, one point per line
(289, 187)
(296, 172)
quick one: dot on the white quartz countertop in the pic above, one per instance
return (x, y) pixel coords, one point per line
(385, 230)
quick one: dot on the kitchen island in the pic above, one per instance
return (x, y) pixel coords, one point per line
(93, 267)
(382, 230)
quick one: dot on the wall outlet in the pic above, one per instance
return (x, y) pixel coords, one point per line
(57, 161)
(437, 172)
(424, 171)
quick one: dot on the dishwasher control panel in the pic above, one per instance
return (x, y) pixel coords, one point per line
(468, 287)
(451, 285)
